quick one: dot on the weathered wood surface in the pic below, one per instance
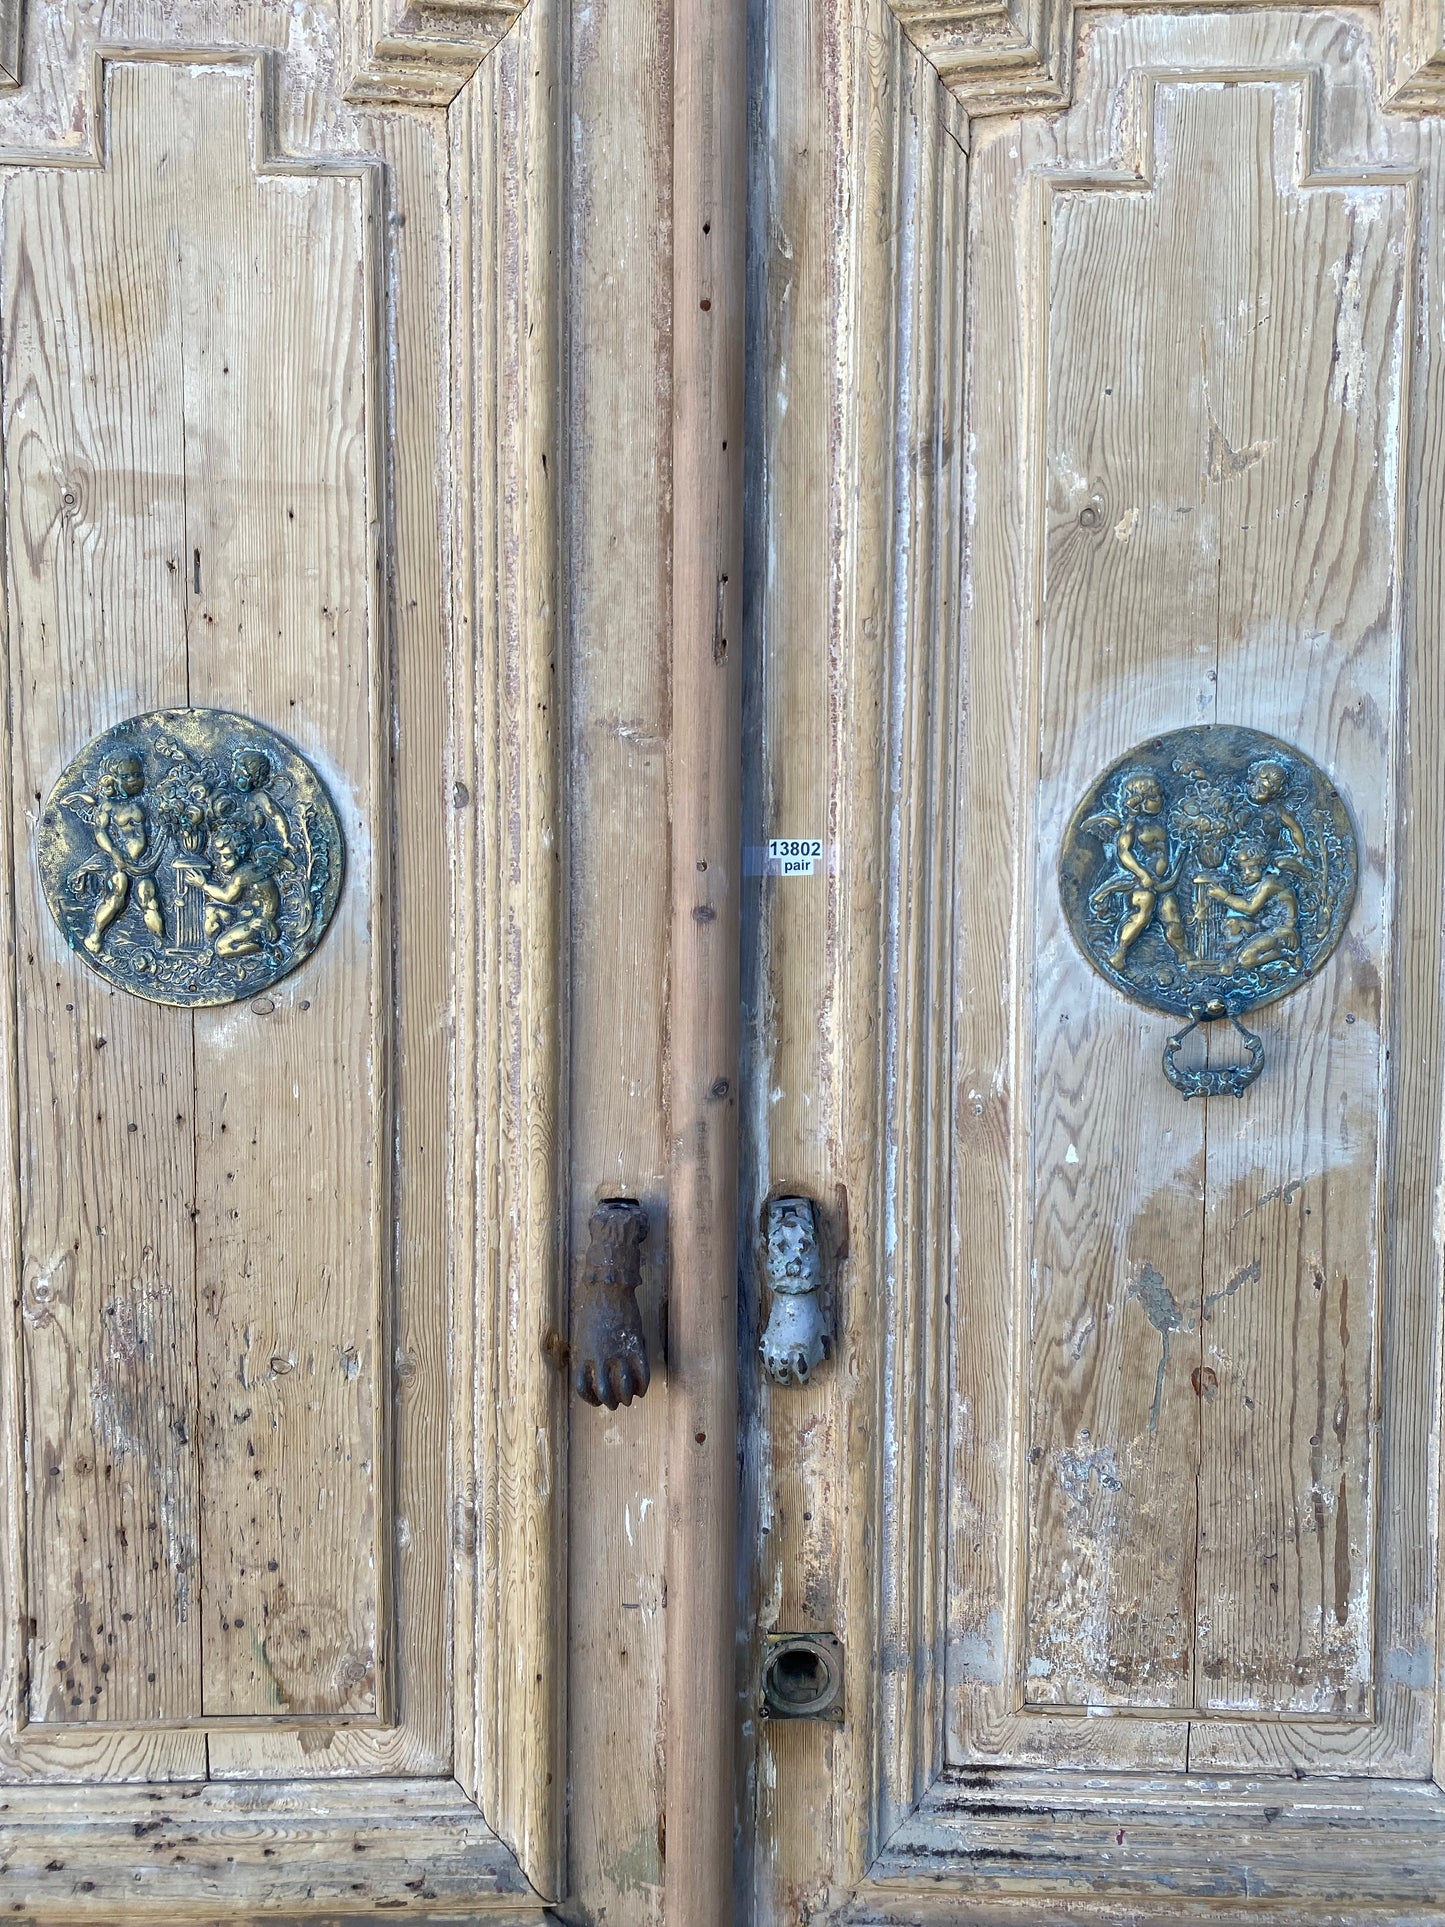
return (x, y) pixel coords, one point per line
(272, 605)
(1341, 1844)
(709, 302)
(1000, 59)
(1273, 207)
(1206, 525)
(854, 366)
(877, 1907)
(617, 635)
(509, 1383)
(408, 1849)
(104, 1123)
(418, 1345)
(280, 392)
(333, 398)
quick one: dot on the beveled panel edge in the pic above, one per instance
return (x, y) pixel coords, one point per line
(503, 788)
(1280, 1846)
(12, 18)
(147, 1852)
(422, 56)
(997, 58)
(911, 1256)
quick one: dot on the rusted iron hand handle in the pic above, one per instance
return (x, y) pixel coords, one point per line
(609, 1351)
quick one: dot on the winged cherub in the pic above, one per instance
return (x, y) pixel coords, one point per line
(122, 832)
(1147, 874)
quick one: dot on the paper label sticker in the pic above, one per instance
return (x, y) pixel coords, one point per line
(790, 856)
(794, 856)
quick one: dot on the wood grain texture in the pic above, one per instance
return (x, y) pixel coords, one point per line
(410, 1849)
(1310, 535)
(12, 26)
(285, 621)
(995, 58)
(419, 56)
(106, 1139)
(312, 442)
(877, 1907)
(709, 295)
(1000, 59)
(1359, 1848)
(415, 160)
(413, 153)
(222, 430)
(854, 387)
(1273, 554)
(616, 103)
(509, 1390)
(1413, 55)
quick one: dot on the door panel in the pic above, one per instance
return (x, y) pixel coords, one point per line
(1199, 1286)
(201, 1205)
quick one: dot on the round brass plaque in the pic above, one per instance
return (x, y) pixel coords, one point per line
(191, 856)
(1209, 871)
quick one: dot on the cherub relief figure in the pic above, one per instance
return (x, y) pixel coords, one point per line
(216, 833)
(243, 899)
(251, 777)
(1265, 784)
(1148, 874)
(1263, 922)
(121, 828)
(1237, 861)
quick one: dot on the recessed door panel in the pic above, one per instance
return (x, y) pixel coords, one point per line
(188, 429)
(1210, 420)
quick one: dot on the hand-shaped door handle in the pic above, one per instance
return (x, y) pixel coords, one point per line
(797, 1340)
(609, 1351)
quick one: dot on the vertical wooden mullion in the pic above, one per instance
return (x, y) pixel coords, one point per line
(709, 278)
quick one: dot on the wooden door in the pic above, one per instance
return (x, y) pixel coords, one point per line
(280, 392)
(1098, 397)
(371, 423)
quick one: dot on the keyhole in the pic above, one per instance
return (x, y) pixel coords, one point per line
(799, 1678)
(803, 1677)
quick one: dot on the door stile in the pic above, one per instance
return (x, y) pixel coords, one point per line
(709, 232)
(856, 483)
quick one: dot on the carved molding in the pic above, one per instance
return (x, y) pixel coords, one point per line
(12, 13)
(422, 56)
(996, 58)
(1002, 58)
(509, 1366)
(1413, 46)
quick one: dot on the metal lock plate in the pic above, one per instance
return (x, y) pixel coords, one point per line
(803, 1677)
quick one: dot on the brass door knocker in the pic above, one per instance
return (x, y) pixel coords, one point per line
(1208, 872)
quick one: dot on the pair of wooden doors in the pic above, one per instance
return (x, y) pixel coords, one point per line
(391, 381)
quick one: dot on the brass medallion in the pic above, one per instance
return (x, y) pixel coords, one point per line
(191, 856)
(1208, 872)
